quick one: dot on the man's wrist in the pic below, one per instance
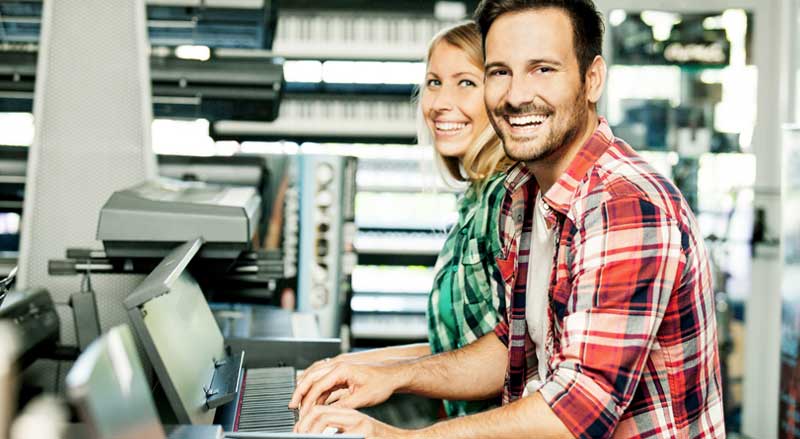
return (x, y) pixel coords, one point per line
(429, 432)
(401, 376)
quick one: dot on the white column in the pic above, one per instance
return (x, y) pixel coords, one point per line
(92, 112)
(763, 310)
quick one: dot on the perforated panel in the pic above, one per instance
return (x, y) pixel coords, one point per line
(92, 112)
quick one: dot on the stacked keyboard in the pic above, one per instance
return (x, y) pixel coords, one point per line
(265, 400)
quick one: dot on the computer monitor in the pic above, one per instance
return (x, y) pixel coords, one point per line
(172, 319)
(108, 386)
(8, 391)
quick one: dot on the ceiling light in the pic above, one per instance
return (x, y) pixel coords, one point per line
(200, 53)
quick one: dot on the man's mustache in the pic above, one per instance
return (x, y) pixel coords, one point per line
(510, 110)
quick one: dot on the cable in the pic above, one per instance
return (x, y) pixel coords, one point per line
(57, 387)
(86, 280)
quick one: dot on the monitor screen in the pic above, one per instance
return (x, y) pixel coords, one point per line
(108, 386)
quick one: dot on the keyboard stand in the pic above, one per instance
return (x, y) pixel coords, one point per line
(225, 381)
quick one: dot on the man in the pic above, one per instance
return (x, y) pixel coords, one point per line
(618, 337)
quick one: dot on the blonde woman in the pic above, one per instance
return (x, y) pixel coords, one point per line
(467, 299)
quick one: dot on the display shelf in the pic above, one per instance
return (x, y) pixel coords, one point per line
(389, 327)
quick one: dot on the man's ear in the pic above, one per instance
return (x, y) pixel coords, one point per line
(595, 79)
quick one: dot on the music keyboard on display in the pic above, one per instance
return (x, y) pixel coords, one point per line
(264, 401)
(204, 379)
(399, 242)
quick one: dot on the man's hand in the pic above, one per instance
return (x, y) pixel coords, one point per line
(324, 364)
(346, 421)
(367, 384)
(392, 354)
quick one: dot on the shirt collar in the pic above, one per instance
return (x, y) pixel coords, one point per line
(560, 195)
(517, 176)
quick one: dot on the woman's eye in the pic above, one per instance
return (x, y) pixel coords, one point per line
(467, 83)
(433, 83)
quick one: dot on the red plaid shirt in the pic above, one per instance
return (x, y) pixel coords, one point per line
(632, 339)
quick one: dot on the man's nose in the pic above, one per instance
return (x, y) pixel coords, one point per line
(520, 91)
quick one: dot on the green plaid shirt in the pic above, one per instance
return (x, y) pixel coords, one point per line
(468, 296)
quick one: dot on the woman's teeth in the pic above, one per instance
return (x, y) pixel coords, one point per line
(450, 126)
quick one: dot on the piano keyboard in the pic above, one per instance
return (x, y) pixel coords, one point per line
(400, 36)
(265, 400)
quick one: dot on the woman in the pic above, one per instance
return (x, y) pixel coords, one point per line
(466, 301)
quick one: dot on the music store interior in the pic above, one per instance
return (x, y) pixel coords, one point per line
(192, 189)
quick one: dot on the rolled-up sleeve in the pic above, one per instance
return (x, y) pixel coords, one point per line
(625, 260)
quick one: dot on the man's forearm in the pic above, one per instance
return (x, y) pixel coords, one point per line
(393, 353)
(527, 417)
(476, 371)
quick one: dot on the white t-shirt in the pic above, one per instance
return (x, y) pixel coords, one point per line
(540, 265)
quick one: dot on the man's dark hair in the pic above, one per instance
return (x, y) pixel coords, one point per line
(587, 23)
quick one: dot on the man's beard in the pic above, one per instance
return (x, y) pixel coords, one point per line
(556, 137)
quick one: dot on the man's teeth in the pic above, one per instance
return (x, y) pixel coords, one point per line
(450, 126)
(526, 120)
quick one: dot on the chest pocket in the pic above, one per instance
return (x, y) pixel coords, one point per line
(475, 263)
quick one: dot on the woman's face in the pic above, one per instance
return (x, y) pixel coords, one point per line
(452, 100)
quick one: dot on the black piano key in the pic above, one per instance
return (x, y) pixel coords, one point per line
(267, 393)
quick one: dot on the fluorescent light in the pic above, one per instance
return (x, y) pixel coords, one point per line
(352, 72)
(16, 129)
(711, 76)
(302, 71)
(449, 11)
(182, 137)
(371, 72)
(404, 72)
(616, 17)
(713, 23)
(282, 147)
(200, 53)
(661, 22)
(9, 223)
(226, 147)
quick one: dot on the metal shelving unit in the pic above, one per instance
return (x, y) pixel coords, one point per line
(402, 218)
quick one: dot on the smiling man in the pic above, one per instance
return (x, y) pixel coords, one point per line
(610, 329)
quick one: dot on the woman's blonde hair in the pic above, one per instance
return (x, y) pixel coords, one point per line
(485, 156)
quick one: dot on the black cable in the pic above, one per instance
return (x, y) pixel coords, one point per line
(57, 388)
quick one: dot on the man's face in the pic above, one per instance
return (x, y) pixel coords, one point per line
(534, 91)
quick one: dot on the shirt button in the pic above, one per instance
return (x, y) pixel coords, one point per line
(545, 206)
(454, 269)
(464, 231)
